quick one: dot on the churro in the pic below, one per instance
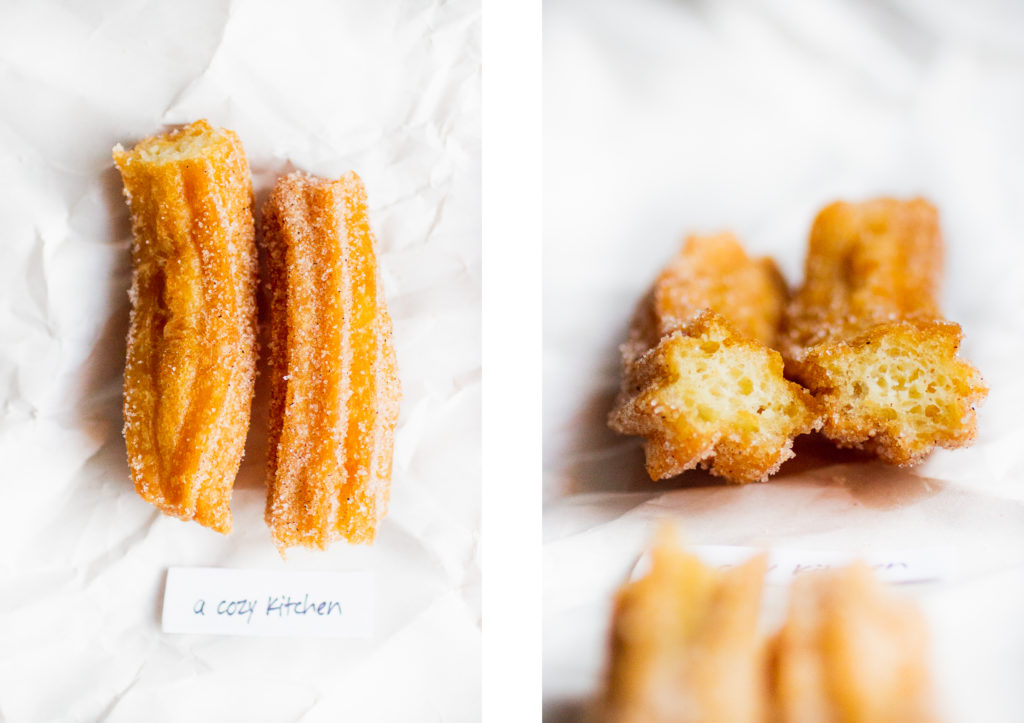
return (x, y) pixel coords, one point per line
(191, 344)
(708, 392)
(685, 643)
(334, 383)
(849, 652)
(865, 335)
(710, 272)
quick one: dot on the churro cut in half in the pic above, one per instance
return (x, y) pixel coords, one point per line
(710, 272)
(334, 383)
(707, 396)
(850, 652)
(708, 392)
(685, 645)
(190, 369)
(865, 335)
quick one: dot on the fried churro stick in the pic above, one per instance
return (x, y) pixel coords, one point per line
(709, 392)
(685, 645)
(849, 652)
(334, 383)
(710, 272)
(864, 333)
(191, 344)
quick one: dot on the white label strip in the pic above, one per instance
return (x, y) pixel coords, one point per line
(222, 601)
(785, 563)
(916, 565)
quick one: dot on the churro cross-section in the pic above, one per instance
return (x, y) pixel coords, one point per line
(707, 396)
(334, 382)
(865, 335)
(191, 343)
(685, 646)
(699, 382)
(850, 652)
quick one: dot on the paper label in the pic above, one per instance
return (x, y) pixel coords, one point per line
(222, 601)
(918, 565)
(785, 563)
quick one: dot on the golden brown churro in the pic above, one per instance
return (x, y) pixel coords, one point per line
(685, 644)
(710, 272)
(191, 345)
(334, 383)
(850, 652)
(699, 383)
(864, 333)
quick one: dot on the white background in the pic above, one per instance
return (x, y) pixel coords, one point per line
(664, 117)
(389, 89)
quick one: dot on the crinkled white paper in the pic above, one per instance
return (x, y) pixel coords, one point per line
(666, 117)
(388, 89)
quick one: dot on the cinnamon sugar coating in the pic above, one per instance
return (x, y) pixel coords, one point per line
(865, 335)
(710, 272)
(699, 383)
(334, 384)
(191, 344)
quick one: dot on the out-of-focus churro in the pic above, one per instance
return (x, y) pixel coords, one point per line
(699, 383)
(191, 344)
(864, 333)
(685, 644)
(334, 383)
(849, 652)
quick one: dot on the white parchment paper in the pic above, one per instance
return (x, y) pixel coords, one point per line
(665, 117)
(388, 89)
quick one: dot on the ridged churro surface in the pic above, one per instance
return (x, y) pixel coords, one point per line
(865, 335)
(849, 651)
(707, 391)
(867, 264)
(334, 383)
(191, 343)
(685, 645)
(710, 272)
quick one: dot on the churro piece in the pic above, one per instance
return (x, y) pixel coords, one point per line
(709, 392)
(850, 652)
(334, 384)
(865, 335)
(191, 344)
(685, 644)
(710, 272)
